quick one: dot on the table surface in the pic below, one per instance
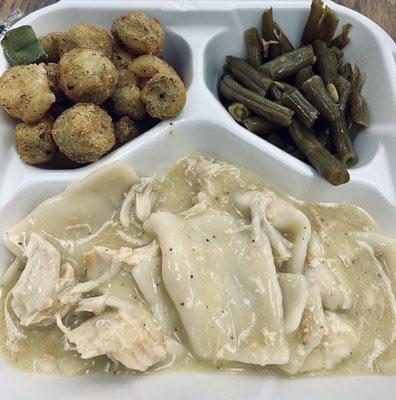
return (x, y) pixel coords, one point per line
(383, 12)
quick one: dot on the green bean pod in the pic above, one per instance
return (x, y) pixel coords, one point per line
(327, 26)
(278, 140)
(324, 138)
(284, 42)
(353, 129)
(346, 70)
(326, 61)
(358, 110)
(344, 89)
(246, 80)
(276, 93)
(302, 75)
(320, 158)
(289, 63)
(250, 73)
(339, 53)
(317, 94)
(268, 32)
(268, 109)
(343, 39)
(311, 25)
(303, 109)
(343, 146)
(254, 47)
(259, 125)
(357, 79)
(239, 112)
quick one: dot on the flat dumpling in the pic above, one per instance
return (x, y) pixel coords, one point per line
(308, 334)
(339, 341)
(223, 285)
(80, 217)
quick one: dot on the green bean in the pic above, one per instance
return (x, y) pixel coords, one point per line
(353, 129)
(268, 32)
(345, 69)
(343, 39)
(284, 42)
(238, 111)
(302, 75)
(339, 53)
(326, 61)
(297, 153)
(259, 125)
(317, 94)
(304, 110)
(344, 149)
(357, 79)
(321, 159)
(358, 110)
(275, 93)
(324, 138)
(327, 26)
(268, 109)
(344, 89)
(254, 47)
(247, 72)
(311, 26)
(241, 77)
(278, 140)
(289, 63)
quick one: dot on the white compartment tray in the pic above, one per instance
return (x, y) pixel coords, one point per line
(199, 36)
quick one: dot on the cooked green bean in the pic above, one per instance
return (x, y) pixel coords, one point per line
(353, 129)
(241, 77)
(259, 125)
(302, 75)
(275, 93)
(311, 26)
(278, 140)
(297, 153)
(254, 47)
(304, 110)
(238, 111)
(343, 39)
(268, 109)
(326, 61)
(247, 72)
(339, 53)
(357, 79)
(358, 110)
(289, 63)
(321, 159)
(324, 138)
(283, 40)
(327, 26)
(268, 32)
(344, 149)
(345, 69)
(317, 94)
(344, 89)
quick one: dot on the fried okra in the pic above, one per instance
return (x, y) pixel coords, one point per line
(125, 130)
(85, 36)
(126, 98)
(164, 96)
(84, 133)
(34, 142)
(120, 56)
(147, 66)
(50, 43)
(87, 75)
(140, 34)
(25, 92)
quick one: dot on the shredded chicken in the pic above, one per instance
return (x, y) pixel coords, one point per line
(37, 293)
(139, 201)
(128, 334)
(258, 204)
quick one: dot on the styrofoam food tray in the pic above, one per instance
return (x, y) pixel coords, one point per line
(199, 36)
